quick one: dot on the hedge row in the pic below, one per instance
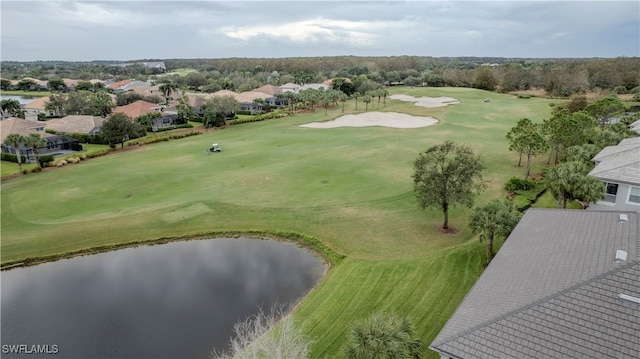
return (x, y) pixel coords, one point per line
(155, 139)
(10, 157)
(266, 116)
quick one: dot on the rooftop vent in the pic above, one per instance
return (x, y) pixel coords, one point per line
(629, 298)
(623, 218)
(621, 255)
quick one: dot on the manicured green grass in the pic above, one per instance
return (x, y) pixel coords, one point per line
(26, 93)
(11, 168)
(349, 187)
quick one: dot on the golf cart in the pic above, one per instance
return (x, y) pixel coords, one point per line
(215, 148)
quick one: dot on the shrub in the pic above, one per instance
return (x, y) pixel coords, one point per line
(44, 160)
(517, 184)
(524, 95)
(10, 157)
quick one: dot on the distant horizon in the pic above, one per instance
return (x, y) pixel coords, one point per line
(297, 57)
(83, 31)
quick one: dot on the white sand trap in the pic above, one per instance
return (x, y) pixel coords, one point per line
(384, 119)
(426, 101)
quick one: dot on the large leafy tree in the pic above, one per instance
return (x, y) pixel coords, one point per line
(119, 128)
(605, 109)
(56, 104)
(569, 180)
(383, 336)
(527, 138)
(56, 85)
(185, 111)
(78, 103)
(14, 140)
(5, 84)
(445, 175)
(35, 141)
(565, 129)
(102, 103)
(217, 109)
(497, 219)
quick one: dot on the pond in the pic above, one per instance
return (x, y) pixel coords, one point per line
(176, 300)
(22, 99)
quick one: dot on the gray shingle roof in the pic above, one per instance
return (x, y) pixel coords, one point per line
(619, 149)
(552, 292)
(623, 166)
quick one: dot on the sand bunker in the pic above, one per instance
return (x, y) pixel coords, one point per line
(426, 101)
(384, 119)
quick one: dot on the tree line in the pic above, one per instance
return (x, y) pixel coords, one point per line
(558, 77)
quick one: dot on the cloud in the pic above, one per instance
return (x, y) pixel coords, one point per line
(126, 30)
(359, 33)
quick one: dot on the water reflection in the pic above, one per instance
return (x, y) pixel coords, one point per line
(176, 300)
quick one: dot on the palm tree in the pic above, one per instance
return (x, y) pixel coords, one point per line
(355, 96)
(343, 98)
(497, 218)
(366, 99)
(15, 140)
(384, 93)
(383, 336)
(11, 107)
(167, 88)
(35, 141)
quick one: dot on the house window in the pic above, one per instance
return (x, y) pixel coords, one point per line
(611, 190)
(634, 195)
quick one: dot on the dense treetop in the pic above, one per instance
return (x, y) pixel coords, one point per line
(559, 77)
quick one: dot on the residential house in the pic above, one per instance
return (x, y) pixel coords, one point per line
(565, 284)
(138, 108)
(268, 89)
(289, 87)
(314, 86)
(55, 144)
(40, 85)
(89, 125)
(156, 65)
(221, 93)
(619, 168)
(197, 102)
(70, 83)
(36, 107)
(248, 99)
(117, 86)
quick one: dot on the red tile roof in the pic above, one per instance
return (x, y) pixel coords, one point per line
(138, 108)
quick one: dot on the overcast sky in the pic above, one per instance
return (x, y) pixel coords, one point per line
(130, 30)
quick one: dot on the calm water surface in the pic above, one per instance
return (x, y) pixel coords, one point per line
(176, 300)
(22, 99)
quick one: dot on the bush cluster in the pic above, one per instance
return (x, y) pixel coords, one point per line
(155, 139)
(169, 128)
(12, 158)
(44, 160)
(258, 118)
(517, 184)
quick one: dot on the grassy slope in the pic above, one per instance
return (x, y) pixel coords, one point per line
(349, 187)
